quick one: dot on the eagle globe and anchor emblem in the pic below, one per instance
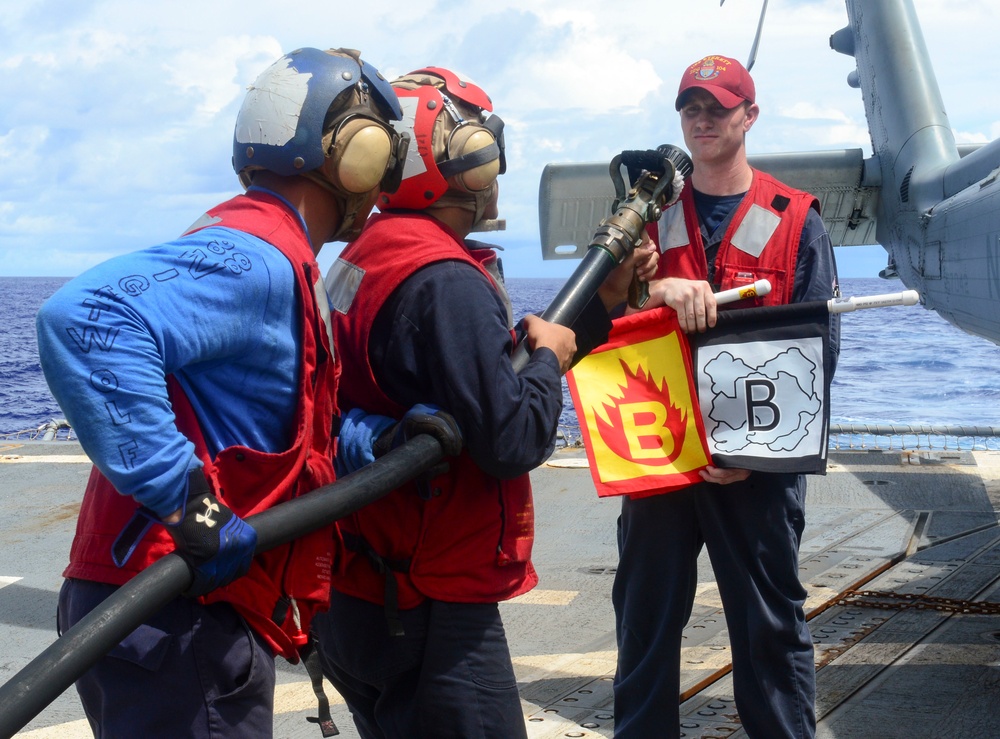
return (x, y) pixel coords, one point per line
(707, 69)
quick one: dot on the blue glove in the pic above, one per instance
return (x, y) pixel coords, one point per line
(358, 433)
(364, 437)
(217, 544)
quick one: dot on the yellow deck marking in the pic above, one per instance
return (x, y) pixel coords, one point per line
(547, 597)
(47, 459)
(70, 730)
(292, 697)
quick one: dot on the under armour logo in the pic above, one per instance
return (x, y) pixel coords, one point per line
(207, 517)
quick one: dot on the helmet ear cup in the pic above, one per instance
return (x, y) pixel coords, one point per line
(465, 141)
(360, 155)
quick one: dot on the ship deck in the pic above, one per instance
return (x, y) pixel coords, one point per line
(900, 557)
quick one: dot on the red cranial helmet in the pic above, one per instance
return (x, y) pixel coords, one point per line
(456, 145)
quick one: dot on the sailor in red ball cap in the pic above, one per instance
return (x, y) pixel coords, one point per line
(732, 225)
(726, 79)
(716, 103)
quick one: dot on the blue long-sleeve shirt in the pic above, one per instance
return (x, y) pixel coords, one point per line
(217, 309)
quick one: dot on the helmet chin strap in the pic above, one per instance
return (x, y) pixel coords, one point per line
(474, 202)
(490, 224)
(350, 205)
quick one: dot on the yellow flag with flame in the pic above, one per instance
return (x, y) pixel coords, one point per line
(638, 408)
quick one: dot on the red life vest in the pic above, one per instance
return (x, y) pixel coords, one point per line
(470, 541)
(288, 584)
(760, 242)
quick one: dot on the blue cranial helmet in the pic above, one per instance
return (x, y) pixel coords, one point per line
(313, 105)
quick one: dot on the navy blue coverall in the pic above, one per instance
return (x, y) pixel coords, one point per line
(752, 530)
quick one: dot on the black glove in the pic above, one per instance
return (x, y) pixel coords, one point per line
(217, 544)
(637, 162)
(423, 418)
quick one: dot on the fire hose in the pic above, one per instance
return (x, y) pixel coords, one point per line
(63, 662)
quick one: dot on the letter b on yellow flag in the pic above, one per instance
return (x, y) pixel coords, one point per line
(638, 408)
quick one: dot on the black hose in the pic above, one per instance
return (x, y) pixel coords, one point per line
(574, 296)
(63, 662)
(44, 678)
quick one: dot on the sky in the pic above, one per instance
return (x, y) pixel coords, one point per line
(116, 123)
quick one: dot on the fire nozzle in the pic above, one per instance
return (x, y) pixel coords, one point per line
(657, 178)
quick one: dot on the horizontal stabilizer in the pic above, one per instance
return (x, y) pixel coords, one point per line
(574, 198)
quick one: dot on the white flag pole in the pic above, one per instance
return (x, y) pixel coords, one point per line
(837, 305)
(757, 290)
(846, 305)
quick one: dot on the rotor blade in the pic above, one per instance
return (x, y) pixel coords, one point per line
(756, 40)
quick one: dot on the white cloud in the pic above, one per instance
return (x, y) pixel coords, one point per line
(116, 126)
(20, 159)
(810, 112)
(217, 75)
(577, 81)
(963, 137)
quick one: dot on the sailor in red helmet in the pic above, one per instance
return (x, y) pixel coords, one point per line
(200, 379)
(732, 226)
(413, 639)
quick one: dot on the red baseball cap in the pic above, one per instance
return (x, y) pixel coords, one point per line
(725, 79)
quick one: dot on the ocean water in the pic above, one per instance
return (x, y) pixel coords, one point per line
(901, 365)
(25, 401)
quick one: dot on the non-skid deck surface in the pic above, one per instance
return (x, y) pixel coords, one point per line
(886, 522)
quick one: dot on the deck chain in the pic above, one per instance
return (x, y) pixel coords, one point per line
(899, 601)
